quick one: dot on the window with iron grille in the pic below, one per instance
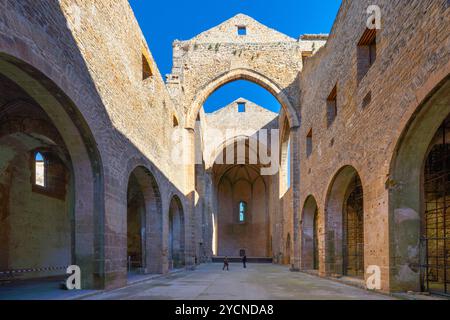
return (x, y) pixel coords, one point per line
(354, 231)
(435, 240)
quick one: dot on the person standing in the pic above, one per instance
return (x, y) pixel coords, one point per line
(225, 264)
(244, 261)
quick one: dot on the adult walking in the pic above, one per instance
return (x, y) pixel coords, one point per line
(244, 261)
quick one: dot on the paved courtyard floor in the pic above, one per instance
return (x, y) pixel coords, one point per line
(48, 289)
(257, 282)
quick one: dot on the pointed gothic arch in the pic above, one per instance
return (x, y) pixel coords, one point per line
(242, 74)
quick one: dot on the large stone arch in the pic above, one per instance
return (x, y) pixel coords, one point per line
(86, 162)
(405, 185)
(241, 74)
(234, 184)
(155, 256)
(251, 143)
(177, 233)
(338, 192)
(309, 251)
(36, 192)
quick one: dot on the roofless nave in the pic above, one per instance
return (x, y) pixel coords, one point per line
(87, 125)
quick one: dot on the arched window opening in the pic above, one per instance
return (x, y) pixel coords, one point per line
(242, 212)
(354, 231)
(288, 165)
(50, 176)
(285, 160)
(436, 218)
(40, 170)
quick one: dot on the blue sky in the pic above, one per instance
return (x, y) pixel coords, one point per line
(164, 21)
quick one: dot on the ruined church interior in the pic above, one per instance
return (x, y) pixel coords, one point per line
(138, 177)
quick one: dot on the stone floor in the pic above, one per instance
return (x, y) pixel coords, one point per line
(43, 289)
(257, 282)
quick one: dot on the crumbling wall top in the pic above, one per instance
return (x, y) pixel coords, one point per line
(228, 32)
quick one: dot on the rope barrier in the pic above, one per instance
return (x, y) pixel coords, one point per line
(29, 270)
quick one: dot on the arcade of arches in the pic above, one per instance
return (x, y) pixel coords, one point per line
(85, 181)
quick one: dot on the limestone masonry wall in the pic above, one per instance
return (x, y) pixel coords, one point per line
(412, 48)
(93, 52)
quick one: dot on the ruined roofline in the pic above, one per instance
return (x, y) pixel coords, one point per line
(314, 37)
(199, 43)
(257, 30)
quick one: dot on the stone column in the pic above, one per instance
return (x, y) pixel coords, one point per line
(199, 211)
(277, 218)
(189, 165)
(296, 206)
(208, 227)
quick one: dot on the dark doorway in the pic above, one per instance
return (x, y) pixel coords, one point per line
(436, 220)
(354, 231)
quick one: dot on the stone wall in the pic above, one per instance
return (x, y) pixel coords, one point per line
(269, 57)
(412, 58)
(93, 53)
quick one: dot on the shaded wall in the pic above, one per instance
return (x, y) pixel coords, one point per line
(35, 229)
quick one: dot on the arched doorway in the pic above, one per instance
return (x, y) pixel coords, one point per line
(436, 218)
(144, 223)
(310, 232)
(50, 167)
(136, 227)
(288, 249)
(316, 257)
(176, 234)
(418, 201)
(353, 221)
(344, 223)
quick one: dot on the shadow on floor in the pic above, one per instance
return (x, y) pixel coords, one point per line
(39, 289)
